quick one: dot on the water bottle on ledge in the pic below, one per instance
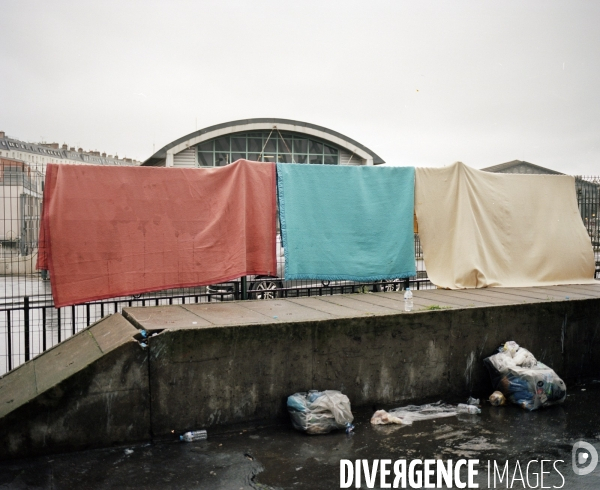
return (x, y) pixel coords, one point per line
(408, 300)
(462, 408)
(193, 435)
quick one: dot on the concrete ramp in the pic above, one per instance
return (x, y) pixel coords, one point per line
(88, 391)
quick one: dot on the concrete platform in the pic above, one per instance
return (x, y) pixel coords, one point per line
(221, 364)
(318, 308)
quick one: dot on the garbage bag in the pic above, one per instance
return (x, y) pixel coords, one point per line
(523, 379)
(319, 412)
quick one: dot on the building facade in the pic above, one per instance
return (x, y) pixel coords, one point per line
(40, 154)
(265, 140)
(21, 187)
(22, 170)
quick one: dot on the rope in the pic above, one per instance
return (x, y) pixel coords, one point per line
(287, 147)
(260, 157)
(349, 159)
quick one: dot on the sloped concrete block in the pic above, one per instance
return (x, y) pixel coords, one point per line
(67, 358)
(17, 389)
(112, 332)
(89, 391)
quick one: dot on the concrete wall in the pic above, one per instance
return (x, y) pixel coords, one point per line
(208, 377)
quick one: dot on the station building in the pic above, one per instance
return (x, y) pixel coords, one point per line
(264, 140)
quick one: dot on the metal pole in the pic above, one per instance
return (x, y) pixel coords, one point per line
(26, 325)
(73, 318)
(59, 323)
(9, 339)
(43, 328)
(244, 287)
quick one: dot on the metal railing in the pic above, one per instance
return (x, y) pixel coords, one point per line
(32, 324)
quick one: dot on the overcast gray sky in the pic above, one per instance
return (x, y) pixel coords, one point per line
(420, 83)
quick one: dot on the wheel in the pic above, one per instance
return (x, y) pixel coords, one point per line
(266, 289)
(388, 286)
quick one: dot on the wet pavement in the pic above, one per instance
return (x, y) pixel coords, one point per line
(279, 457)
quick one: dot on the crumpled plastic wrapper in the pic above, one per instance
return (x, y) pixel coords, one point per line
(497, 399)
(412, 413)
(381, 417)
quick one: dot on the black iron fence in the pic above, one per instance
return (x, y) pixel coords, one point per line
(588, 199)
(30, 324)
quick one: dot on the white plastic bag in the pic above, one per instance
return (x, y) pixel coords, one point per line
(319, 412)
(523, 380)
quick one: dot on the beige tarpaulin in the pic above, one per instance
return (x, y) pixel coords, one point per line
(480, 229)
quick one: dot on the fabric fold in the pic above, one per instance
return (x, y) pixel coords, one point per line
(481, 229)
(109, 232)
(346, 223)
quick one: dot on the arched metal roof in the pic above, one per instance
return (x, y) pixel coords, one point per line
(261, 123)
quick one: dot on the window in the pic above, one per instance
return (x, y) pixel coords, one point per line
(266, 146)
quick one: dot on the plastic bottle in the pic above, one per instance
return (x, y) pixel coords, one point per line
(408, 300)
(193, 435)
(462, 408)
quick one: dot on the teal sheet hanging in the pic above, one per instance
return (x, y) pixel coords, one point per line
(347, 223)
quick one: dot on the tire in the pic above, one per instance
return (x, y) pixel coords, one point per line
(388, 286)
(271, 289)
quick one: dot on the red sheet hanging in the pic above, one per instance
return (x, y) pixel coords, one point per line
(117, 231)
